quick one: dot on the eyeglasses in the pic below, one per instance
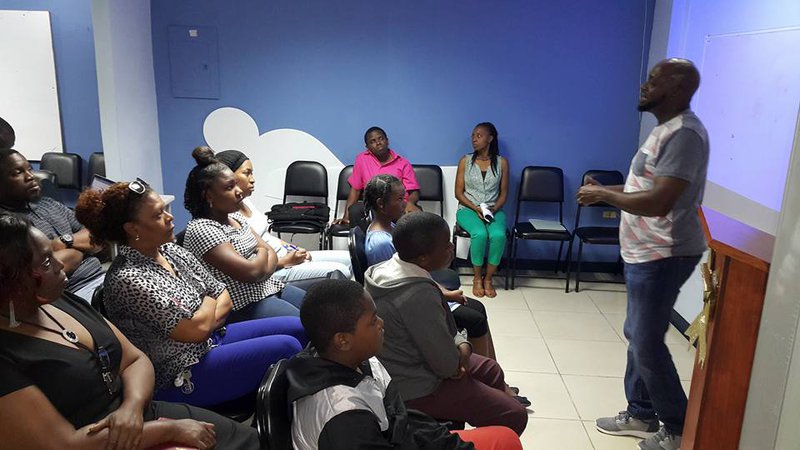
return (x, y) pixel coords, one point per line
(138, 186)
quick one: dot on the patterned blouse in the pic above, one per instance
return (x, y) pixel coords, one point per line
(146, 302)
(479, 188)
(204, 234)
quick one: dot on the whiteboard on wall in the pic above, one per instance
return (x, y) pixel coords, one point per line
(28, 91)
(748, 100)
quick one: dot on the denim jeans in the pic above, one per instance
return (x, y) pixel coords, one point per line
(285, 303)
(652, 386)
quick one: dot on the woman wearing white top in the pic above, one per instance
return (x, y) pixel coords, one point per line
(294, 263)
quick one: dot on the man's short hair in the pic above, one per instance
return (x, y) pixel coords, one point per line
(330, 307)
(416, 232)
(5, 155)
(370, 130)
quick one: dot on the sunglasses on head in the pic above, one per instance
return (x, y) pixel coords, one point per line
(138, 186)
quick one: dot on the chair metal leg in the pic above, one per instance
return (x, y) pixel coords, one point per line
(510, 262)
(569, 263)
(578, 272)
(506, 252)
(513, 268)
(455, 252)
(558, 260)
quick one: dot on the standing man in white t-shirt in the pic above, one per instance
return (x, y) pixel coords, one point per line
(661, 242)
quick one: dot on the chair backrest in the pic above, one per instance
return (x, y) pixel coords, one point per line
(541, 184)
(47, 180)
(431, 183)
(67, 167)
(306, 179)
(43, 175)
(342, 187)
(98, 302)
(97, 165)
(179, 237)
(604, 177)
(357, 245)
(273, 421)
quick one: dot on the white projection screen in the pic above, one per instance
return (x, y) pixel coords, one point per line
(748, 100)
(28, 91)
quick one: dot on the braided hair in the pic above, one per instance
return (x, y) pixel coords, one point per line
(494, 146)
(379, 188)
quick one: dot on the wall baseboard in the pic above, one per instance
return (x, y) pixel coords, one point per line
(550, 265)
(680, 323)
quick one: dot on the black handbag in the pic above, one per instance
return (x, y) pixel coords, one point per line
(306, 213)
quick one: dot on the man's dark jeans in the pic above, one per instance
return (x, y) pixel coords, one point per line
(652, 386)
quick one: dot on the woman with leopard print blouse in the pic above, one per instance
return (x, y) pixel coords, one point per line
(171, 308)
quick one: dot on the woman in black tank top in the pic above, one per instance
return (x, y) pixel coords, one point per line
(70, 378)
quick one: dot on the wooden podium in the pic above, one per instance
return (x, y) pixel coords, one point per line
(741, 259)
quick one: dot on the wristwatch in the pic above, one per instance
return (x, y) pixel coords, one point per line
(67, 240)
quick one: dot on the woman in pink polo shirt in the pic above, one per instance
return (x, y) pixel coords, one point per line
(378, 158)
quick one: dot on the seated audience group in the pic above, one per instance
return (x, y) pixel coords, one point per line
(294, 263)
(168, 304)
(71, 379)
(221, 238)
(384, 201)
(21, 194)
(200, 323)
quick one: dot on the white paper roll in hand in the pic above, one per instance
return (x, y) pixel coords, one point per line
(488, 215)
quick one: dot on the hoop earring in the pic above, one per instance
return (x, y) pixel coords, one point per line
(12, 319)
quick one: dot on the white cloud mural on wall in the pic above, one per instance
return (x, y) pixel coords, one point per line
(271, 152)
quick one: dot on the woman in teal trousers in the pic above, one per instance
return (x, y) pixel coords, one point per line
(482, 178)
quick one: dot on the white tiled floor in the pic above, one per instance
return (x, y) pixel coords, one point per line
(567, 353)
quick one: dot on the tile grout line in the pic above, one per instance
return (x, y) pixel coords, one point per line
(535, 322)
(561, 376)
(622, 337)
(564, 382)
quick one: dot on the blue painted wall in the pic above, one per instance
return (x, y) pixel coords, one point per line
(559, 81)
(76, 74)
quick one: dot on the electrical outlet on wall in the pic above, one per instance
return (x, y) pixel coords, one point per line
(609, 214)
